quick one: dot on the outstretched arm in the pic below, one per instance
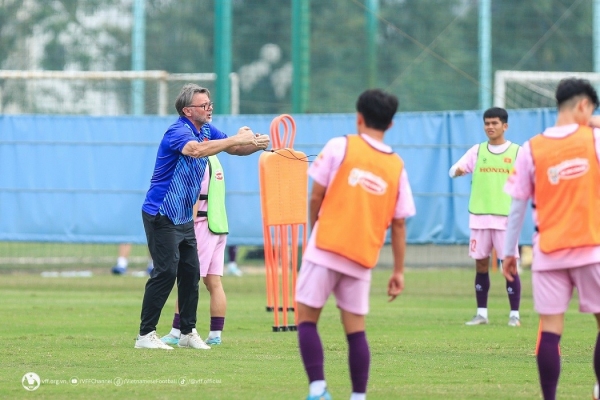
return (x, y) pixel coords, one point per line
(261, 142)
(466, 163)
(196, 149)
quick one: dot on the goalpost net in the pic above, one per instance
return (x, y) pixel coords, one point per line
(532, 89)
(99, 92)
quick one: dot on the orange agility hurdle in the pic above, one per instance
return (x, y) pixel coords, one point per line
(283, 191)
(494, 260)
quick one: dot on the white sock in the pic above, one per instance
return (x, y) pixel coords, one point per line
(358, 396)
(316, 388)
(122, 262)
(214, 334)
(175, 332)
(482, 312)
(514, 313)
(194, 331)
(233, 265)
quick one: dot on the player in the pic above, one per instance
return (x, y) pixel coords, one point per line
(560, 172)
(232, 267)
(359, 176)
(211, 230)
(490, 163)
(120, 267)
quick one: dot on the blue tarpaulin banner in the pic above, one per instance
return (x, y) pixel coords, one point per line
(84, 179)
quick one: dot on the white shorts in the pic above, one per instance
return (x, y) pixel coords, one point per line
(484, 240)
(211, 249)
(552, 290)
(315, 283)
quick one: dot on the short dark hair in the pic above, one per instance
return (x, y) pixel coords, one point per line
(571, 88)
(377, 108)
(186, 95)
(496, 112)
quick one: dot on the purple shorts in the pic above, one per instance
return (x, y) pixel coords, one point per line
(211, 249)
(552, 290)
(315, 283)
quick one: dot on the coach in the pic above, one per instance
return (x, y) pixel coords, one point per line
(167, 210)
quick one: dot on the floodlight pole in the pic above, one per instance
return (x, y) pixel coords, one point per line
(300, 55)
(596, 29)
(485, 54)
(372, 12)
(138, 55)
(223, 13)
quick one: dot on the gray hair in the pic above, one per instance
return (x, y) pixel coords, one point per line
(184, 98)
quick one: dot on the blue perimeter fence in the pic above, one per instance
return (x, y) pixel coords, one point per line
(83, 179)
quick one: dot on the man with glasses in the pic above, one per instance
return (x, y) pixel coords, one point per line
(167, 211)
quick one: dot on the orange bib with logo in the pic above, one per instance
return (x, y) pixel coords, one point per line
(567, 190)
(360, 202)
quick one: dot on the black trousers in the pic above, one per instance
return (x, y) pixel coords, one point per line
(174, 252)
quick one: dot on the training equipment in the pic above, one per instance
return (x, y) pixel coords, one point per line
(532, 89)
(494, 261)
(477, 320)
(283, 187)
(150, 341)
(192, 340)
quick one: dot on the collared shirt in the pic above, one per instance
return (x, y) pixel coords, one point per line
(176, 179)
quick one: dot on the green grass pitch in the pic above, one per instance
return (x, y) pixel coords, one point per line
(84, 328)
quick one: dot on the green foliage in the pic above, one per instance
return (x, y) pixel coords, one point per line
(427, 49)
(62, 328)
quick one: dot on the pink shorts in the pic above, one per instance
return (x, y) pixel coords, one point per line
(211, 249)
(484, 240)
(315, 283)
(552, 290)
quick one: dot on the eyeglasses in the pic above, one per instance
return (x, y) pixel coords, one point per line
(205, 106)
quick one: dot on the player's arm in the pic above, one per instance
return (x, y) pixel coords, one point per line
(396, 282)
(244, 137)
(516, 217)
(466, 163)
(317, 195)
(261, 143)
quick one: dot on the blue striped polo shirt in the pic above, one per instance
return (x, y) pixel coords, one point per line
(176, 179)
